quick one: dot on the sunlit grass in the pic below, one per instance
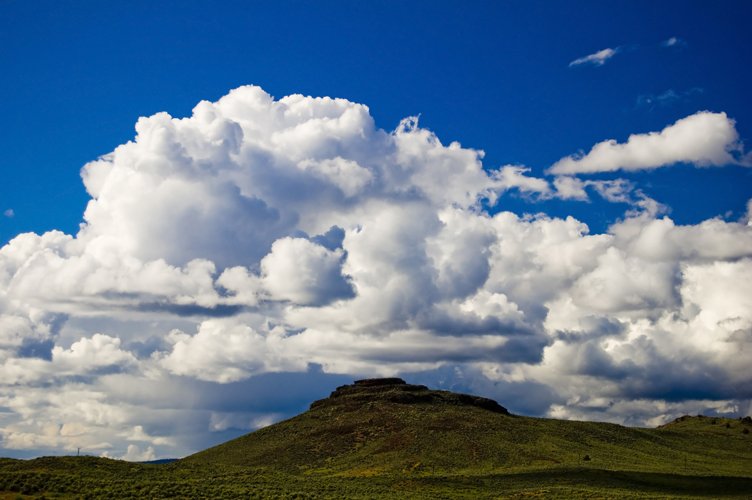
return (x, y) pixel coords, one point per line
(387, 449)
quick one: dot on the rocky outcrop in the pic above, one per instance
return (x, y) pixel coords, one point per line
(396, 390)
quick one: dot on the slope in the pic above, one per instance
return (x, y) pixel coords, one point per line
(385, 426)
(384, 438)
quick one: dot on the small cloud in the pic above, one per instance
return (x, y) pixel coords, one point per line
(136, 454)
(9, 213)
(651, 101)
(597, 59)
(674, 42)
(703, 139)
(513, 176)
(570, 188)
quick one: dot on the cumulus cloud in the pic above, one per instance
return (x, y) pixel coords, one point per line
(221, 351)
(135, 454)
(304, 273)
(703, 139)
(291, 240)
(597, 58)
(87, 356)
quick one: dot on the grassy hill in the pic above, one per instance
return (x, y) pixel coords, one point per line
(385, 438)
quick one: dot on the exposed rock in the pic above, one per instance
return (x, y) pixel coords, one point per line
(396, 390)
(725, 422)
(371, 382)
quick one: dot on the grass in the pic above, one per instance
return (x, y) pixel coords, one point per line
(366, 445)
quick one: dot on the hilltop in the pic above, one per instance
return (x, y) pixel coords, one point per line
(385, 437)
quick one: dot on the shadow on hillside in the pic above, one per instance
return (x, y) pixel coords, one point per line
(645, 482)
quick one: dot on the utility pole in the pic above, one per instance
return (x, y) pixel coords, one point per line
(78, 452)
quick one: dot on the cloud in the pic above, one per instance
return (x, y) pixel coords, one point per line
(570, 188)
(597, 58)
(513, 177)
(305, 273)
(86, 357)
(347, 175)
(136, 454)
(674, 42)
(613, 191)
(222, 351)
(703, 139)
(670, 96)
(9, 213)
(291, 242)
(566, 187)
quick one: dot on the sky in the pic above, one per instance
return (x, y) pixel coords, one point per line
(214, 213)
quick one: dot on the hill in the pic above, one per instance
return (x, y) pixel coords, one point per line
(386, 438)
(386, 426)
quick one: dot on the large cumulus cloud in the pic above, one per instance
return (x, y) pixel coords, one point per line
(295, 239)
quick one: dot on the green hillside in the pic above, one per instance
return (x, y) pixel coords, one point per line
(390, 428)
(385, 438)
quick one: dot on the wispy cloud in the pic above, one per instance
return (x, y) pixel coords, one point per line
(596, 59)
(666, 98)
(9, 213)
(602, 56)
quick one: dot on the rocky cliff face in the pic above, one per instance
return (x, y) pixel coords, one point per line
(396, 390)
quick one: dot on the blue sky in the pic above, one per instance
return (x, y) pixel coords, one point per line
(493, 77)
(216, 198)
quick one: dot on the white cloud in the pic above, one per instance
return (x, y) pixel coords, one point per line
(87, 356)
(98, 351)
(513, 176)
(136, 454)
(225, 350)
(703, 139)
(347, 175)
(292, 238)
(139, 434)
(304, 273)
(570, 188)
(674, 41)
(597, 58)
(615, 191)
